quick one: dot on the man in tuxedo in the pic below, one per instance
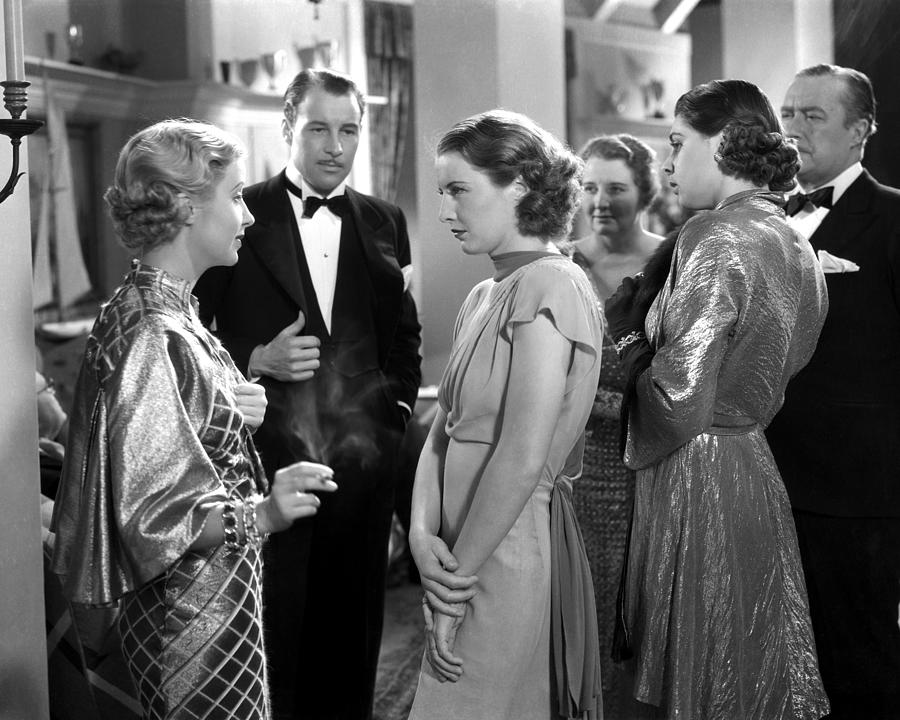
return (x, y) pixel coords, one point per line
(837, 438)
(318, 309)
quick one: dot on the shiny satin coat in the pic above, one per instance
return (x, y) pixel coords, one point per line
(155, 435)
(716, 601)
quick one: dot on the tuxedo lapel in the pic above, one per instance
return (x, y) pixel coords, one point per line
(850, 217)
(377, 237)
(274, 238)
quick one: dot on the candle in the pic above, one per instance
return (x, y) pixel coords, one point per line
(12, 22)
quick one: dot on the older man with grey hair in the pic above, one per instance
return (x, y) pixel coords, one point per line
(837, 438)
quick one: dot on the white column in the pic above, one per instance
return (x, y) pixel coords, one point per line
(472, 56)
(814, 23)
(768, 41)
(23, 655)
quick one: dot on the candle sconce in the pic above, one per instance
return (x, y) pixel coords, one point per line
(16, 100)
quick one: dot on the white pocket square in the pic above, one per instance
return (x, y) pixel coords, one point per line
(833, 264)
(407, 271)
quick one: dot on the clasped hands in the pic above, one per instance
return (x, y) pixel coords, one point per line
(445, 602)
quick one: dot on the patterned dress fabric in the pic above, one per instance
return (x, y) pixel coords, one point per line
(603, 497)
(505, 638)
(156, 435)
(716, 601)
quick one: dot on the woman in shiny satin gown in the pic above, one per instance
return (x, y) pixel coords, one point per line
(715, 598)
(511, 625)
(160, 508)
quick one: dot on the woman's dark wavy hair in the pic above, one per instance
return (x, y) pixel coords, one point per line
(158, 168)
(638, 156)
(507, 146)
(753, 144)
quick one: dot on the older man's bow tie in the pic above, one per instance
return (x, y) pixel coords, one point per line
(338, 204)
(819, 198)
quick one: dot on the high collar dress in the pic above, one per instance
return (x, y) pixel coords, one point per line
(155, 436)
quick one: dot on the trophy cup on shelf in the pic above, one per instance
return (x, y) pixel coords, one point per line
(272, 65)
(326, 52)
(247, 70)
(319, 55)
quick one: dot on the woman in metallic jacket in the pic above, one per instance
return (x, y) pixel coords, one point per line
(715, 602)
(161, 507)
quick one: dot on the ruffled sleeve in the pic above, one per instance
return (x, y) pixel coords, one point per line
(561, 291)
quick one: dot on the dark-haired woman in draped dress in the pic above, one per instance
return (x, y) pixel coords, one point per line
(715, 604)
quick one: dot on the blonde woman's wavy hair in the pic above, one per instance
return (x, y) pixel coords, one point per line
(160, 170)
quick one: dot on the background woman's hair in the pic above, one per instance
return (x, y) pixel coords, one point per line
(160, 169)
(638, 156)
(508, 146)
(753, 144)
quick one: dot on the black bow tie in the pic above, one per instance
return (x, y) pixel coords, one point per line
(819, 198)
(338, 204)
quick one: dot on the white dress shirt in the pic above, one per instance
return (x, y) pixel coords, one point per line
(321, 241)
(807, 221)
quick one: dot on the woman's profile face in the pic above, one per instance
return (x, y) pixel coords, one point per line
(219, 222)
(481, 215)
(691, 168)
(611, 197)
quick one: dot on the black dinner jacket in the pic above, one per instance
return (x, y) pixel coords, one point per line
(837, 438)
(255, 299)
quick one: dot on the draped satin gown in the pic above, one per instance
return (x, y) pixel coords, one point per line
(716, 600)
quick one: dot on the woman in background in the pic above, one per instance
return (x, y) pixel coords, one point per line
(715, 599)
(160, 505)
(620, 181)
(493, 485)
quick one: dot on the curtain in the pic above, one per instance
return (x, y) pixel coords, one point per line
(389, 63)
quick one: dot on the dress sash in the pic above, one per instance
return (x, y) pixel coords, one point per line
(575, 647)
(732, 424)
